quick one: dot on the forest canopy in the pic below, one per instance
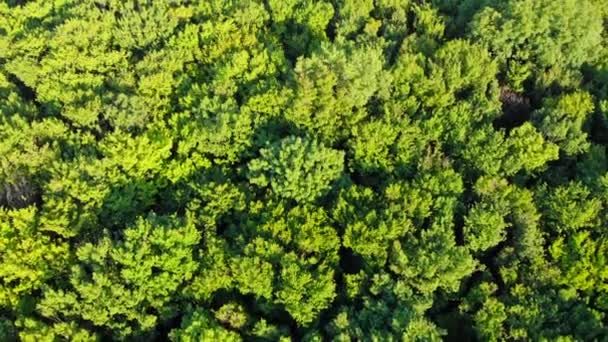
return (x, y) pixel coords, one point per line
(299, 170)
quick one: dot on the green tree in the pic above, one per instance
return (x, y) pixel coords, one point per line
(150, 264)
(30, 257)
(562, 121)
(281, 170)
(200, 325)
(297, 168)
(541, 40)
(331, 88)
(569, 208)
(527, 150)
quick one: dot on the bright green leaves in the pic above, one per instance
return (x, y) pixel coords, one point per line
(215, 272)
(452, 94)
(353, 16)
(384, 310)
(485, 151)
(491, 315)
(232, 314)
(458, 71)
(230, 322)
(305, 293)
(229, 87)
(385, 146)
(368, 225)
(561, 121)
(572, 215)
(31, 330)
(283, 256)
(467, 72)
(524, 150)
(308, 231)
(484, 228)
(332, 87)
(569, 208)
(27, 147)
(303, 170)
(12, 103)
(429, 23)
(485, 223)
(371, 223)
(527, 150)
(82, 75)
(115, 186)
(302, 244)
(29, 257)
(409, 229)
(301, 24)
(200, 325)
(73, 197)
(69, 76)
(254, 276)
(220, 139)
(501, 208)
(140, 156)
(394, 18)
(431, 261)
(154, 259)
(543, 39)
(297, 168)
(169, 240)
(25, 150)
(428, 258)
(140, 24)
(534, 297)
(583, 261)
(529, 312)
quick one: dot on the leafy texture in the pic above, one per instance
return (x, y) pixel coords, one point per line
(297, 170)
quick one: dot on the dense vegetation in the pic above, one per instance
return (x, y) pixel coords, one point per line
(365, 170)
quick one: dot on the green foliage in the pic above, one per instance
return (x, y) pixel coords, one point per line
(129, 278)
(527, 150)
(484, 228)
(385, 145)
(29, 257)
(304, 293)
(200, 325)
(582, 261)
(35, 330)
(368, 225)
(332, 88)
(541, 40)
(301, 24)
(526, 313)
(297, 170)
(386, 313)
(561, 121)
(431, 262)
(570, 208)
